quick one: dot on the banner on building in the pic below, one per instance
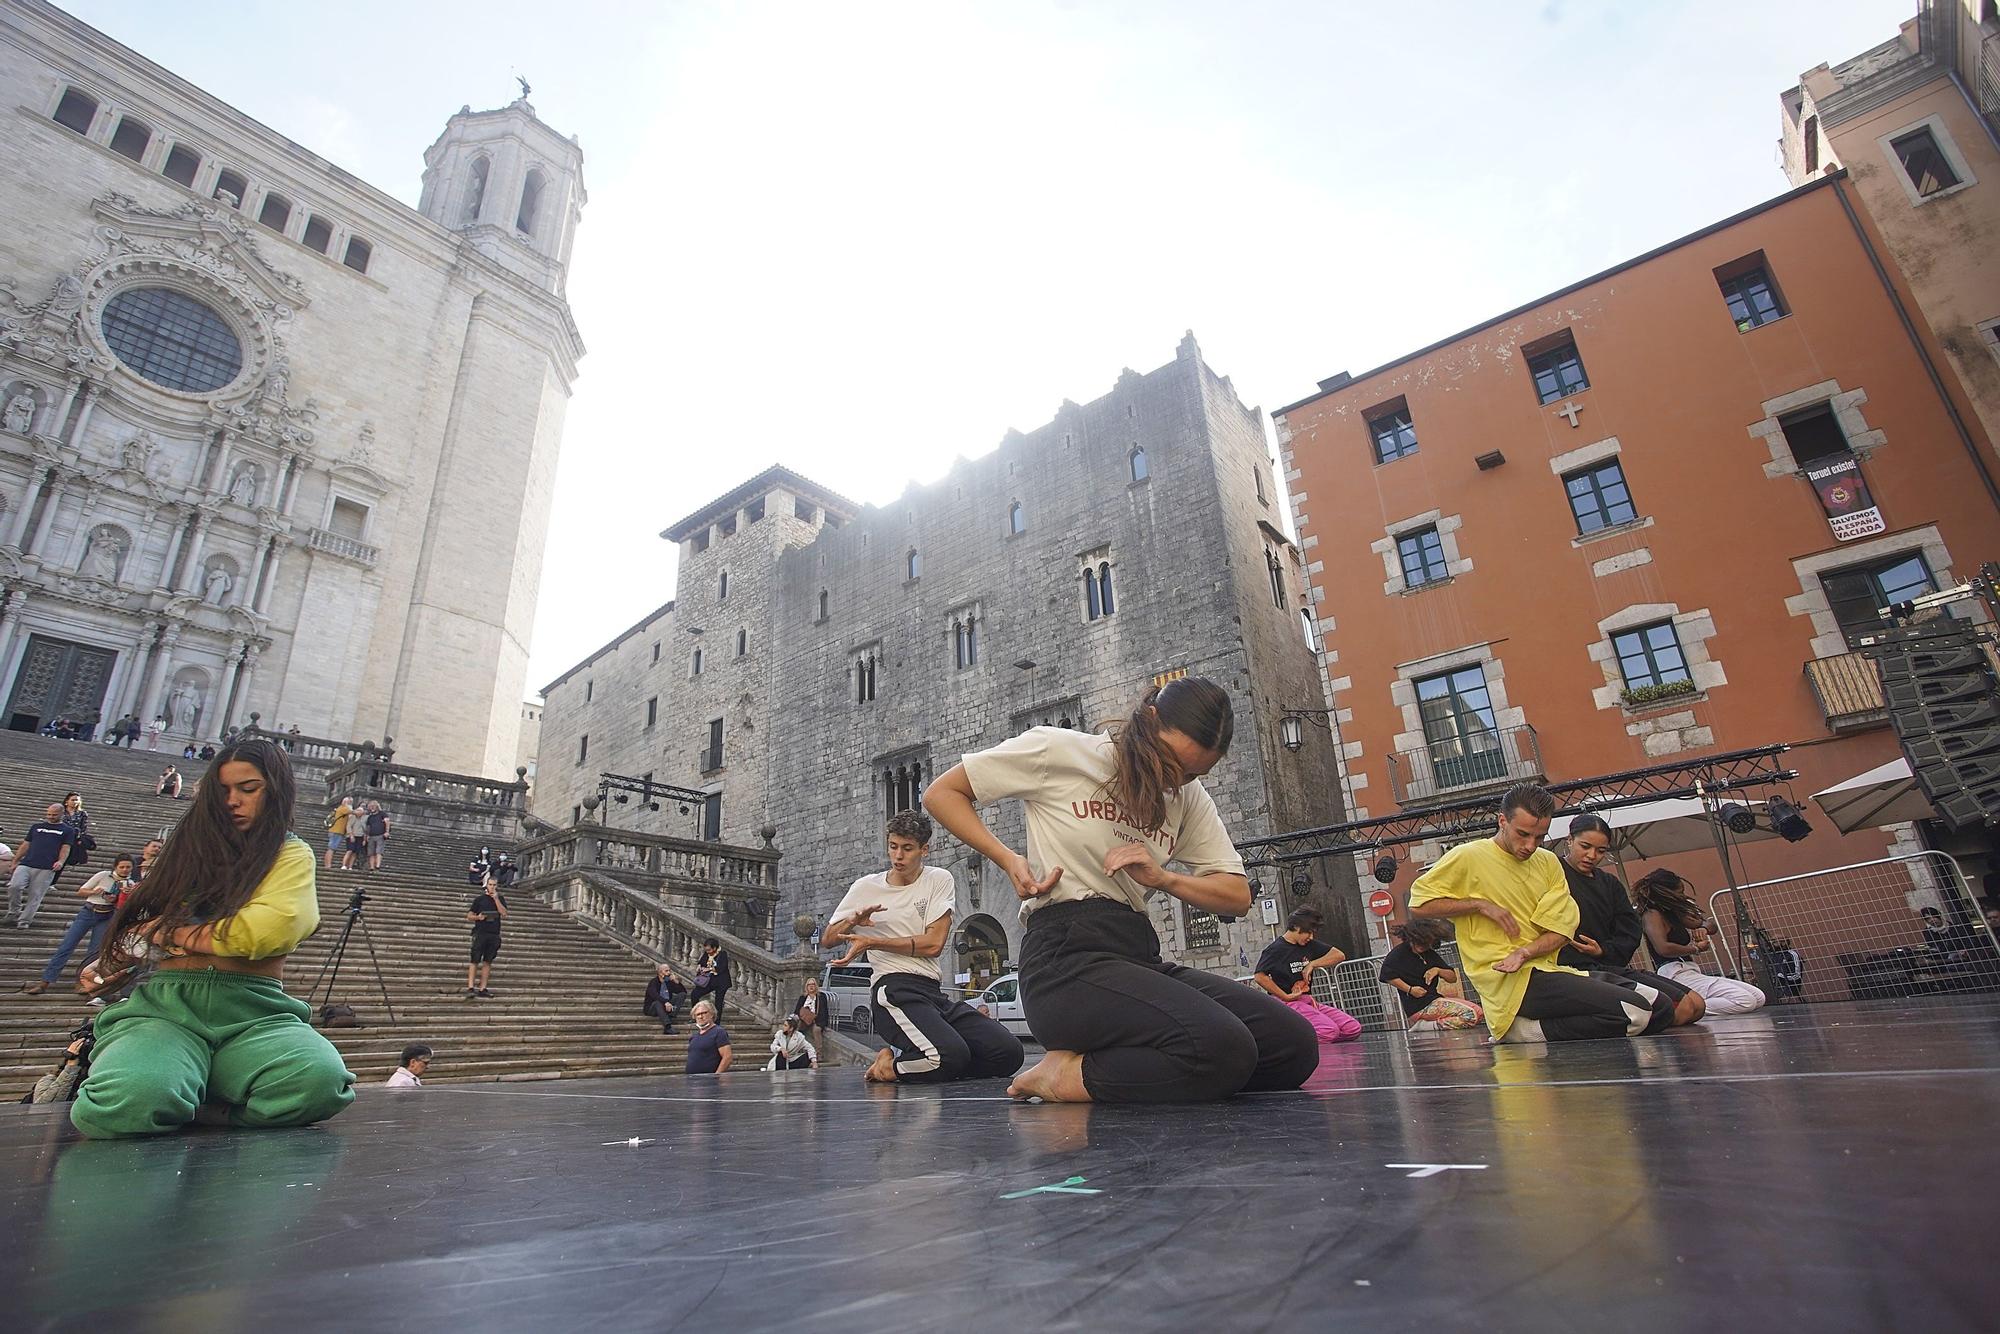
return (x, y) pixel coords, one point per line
(1843, 494)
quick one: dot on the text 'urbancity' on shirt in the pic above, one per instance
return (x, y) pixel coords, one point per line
(1063, 779)
(1533, 891)
(907, 910)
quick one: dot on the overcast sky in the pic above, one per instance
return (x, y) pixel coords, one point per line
(864, 239)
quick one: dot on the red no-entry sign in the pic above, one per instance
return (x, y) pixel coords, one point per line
(1381, 903)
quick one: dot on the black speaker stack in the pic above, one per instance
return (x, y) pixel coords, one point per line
(1944, 702)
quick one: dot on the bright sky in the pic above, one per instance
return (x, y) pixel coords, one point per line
(863, 239)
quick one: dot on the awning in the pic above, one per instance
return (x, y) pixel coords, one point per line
(1886, 794)
(1660, 828)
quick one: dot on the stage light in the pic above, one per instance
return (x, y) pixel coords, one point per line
(1737, 818)
(621, 798)
(1302, 883)
(1788, 820)
(1385, 869)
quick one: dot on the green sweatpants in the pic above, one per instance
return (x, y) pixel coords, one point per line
(189, 1037)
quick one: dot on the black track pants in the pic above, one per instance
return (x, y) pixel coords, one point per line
(937, 1039)
(1571, 1008)
(1092, 982)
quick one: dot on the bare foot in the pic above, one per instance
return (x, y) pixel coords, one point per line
(882, 1070)
(1057, 1077)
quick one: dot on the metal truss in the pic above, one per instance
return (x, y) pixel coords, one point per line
(1730, 771)
(650, 791)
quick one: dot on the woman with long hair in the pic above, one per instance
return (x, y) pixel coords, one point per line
(1424, 982)
(1677, 931)
(211, 1035)
(1607, 928)
(1105, 814)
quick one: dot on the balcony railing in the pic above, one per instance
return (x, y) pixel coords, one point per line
(319, 539)
(1849, 690)
(1461, 765)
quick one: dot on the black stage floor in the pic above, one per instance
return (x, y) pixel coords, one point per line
(1833, 1168)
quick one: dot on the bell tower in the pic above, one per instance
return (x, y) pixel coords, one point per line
(511, 184)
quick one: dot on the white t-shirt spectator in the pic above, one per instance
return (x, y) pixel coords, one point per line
(907, 910)
(103, 889)
(402, 1079)
(792, 1046)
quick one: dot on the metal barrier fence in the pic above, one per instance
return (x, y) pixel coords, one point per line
(1858, 932)
(1355, 986)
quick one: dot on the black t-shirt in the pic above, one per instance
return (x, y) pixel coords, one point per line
(489, 925)
(1604, 913)
(1404, 964)
(1285, 963)
(377, 824)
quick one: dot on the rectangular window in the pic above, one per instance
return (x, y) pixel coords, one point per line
(1858, 593)
(1394, 434)
(1753, 299)
(1203, 929)
(1558, 371)
(348, 519)
(652, 710)
(1650, 655)
(1923, 161)
(1422, 554)
(711, 759)
(1813, 435)
(182, 163)
(1459, 729)
(711, 817)
(1598, 497)
(754, 511)
(130, 138)
(583, 748)
(656, 652)
(588, 687)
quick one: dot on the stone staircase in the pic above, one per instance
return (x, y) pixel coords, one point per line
(566, 1000)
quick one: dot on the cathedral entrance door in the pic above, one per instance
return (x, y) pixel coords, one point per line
(59, 679)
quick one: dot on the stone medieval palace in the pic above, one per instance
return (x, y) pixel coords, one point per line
(270, 440)
(821, 661)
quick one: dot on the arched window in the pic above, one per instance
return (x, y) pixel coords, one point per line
(1091, 609)
(318, 234)
(1104, 588)
(697, 664)
(722, 588)
(1137, 460)
(965, 641)
(1277, 572)
(231, 188)
(276, 213)
(742, 642)
(864, 679)
(822, 604)
(475, 190)
(1017, 518)
(912, 563)
(130, 138)
(181, 165)
(531, 203)
(76, 111)
(358, 253)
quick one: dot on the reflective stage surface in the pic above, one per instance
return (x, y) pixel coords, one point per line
(1829, 1169)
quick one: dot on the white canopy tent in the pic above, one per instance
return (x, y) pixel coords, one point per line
(1886, 794)
(1661, 828)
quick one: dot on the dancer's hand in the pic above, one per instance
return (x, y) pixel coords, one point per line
(1136, 861)
(861, 918)
(1503, 919)
(1025, 884)
(854, 951)
(1586, 945)
(1512, 963)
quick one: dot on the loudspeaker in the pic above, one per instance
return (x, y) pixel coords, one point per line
(1944, 703)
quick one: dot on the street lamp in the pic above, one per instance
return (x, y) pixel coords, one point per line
(1291, 726)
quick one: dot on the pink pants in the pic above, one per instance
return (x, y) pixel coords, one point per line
(1331, 1024)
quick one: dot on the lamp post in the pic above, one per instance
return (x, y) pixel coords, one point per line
(1292, 730)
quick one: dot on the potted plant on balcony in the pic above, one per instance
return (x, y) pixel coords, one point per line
(1638, 697)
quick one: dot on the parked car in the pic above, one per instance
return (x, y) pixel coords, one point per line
(1002, 1001)
(846, 990)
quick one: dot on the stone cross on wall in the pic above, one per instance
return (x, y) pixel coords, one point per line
(1569, 410)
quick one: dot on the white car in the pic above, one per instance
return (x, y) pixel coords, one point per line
(1002, 1002)
(846, 991)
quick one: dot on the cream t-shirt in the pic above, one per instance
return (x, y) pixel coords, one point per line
(1063, 780)
(907, 910)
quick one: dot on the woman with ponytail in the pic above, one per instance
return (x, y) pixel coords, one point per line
(1677, 931)
(211, 1035)
(1105, 814)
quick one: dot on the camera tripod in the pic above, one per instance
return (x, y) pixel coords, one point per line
(329, 971)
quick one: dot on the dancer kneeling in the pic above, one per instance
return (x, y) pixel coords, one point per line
(1285, 969)
(1513, 912)
(901, 918)
(1677, 930)
(1103, 816)
(1420, 975)
(1607, 929)
(211, 1035)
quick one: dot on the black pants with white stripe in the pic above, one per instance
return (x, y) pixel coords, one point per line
(1572, 1008)
(937, 1039)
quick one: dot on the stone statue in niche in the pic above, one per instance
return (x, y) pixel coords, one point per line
(181, 706)
(243, 484)
(68, 297)
(19, 414)
(278, 380)
(216, 584)
(105, 554)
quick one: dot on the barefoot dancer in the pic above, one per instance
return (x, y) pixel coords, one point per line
(901, 918)
(1103, 817)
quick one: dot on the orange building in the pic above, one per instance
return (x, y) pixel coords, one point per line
(1643, 518)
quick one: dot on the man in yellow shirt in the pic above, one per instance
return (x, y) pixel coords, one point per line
(1512, 908)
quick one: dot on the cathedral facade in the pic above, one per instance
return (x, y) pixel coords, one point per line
(822, 661)
(270, 440)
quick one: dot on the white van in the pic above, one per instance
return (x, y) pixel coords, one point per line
(846, 991)
(1002, 1002)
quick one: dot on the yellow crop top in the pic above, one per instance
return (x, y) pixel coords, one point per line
(283, 911)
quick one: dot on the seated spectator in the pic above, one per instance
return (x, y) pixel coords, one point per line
(1607, 929)
(811, 1008)
(100, 897)
(207, 751)
(663, 996)
(170, 783)
(1285, 970)
(188, 751)
(789, 1048)
(708, 1045)
(1677, 931)
(479, 868)
(505, 871)
(1513, 911)
(416, 1060)
(1424, 982)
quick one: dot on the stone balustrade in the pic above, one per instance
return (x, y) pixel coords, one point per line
(721, 883)
(434, 799)
(319, 539)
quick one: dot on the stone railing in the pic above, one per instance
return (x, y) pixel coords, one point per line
(322, 750)
(761, 982)
(459, 803)
(319, 539)
(732, 886)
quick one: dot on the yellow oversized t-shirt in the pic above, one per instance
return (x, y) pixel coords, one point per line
(283, 910)
(1534, 891)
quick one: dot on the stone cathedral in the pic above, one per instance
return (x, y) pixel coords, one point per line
(270, 440)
